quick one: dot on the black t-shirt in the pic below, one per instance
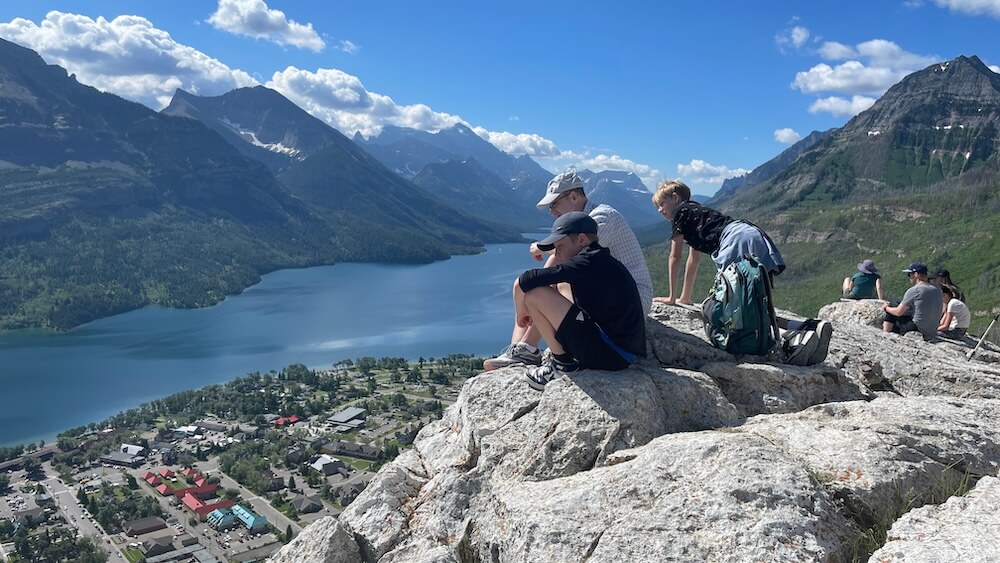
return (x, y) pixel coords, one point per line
(701, 226)
(602, 287)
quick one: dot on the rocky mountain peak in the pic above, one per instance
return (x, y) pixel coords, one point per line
(942, 94)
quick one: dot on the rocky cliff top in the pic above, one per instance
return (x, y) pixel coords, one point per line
(694, 454)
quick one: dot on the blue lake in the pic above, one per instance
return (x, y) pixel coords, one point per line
(315, 316)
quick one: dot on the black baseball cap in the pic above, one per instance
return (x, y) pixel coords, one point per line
(568, 224)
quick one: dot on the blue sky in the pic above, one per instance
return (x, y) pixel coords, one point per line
(691, 90)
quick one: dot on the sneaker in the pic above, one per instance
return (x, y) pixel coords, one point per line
(800, 346)
(824, 330)
(540, 376)
(517, 353)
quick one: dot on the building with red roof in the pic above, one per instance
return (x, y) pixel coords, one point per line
(200, 508)
(166, 473)
(287, 420)
(153, 480)
(165, 489)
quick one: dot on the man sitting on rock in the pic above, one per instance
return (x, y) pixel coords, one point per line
(920, 308)
(603, 327)
(564, 194)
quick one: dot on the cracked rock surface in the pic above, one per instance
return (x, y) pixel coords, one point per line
(696, 455)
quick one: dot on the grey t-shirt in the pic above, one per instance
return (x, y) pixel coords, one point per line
(924, 302)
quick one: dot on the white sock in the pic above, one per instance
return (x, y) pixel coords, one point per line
(532, 349)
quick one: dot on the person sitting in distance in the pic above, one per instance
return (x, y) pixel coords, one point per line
(603, 326)
(564, 194)
(863, 284)
(920, 308)
(956, 318)
(942, 278)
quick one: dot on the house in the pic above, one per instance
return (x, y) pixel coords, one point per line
(166, 473)
(200, 508)
(253, 521)
(157, 546)
(164, 489)
(347, 415)
(122, 459)
(295, 455)
(186, 539)
(143, 526)
(307, 504)
(131, 449)
(346, 494)
(29, 516)
(327, 465)
(152, 479)
(212, 426)
(168, 455)
(221, 519)
(274, 481)
(362, 451)
(283, 421)
(189, 430)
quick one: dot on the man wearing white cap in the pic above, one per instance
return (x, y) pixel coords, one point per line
(565, 194)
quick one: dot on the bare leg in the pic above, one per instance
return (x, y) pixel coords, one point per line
(547, 308)
(530, 334)
(886, 326)
(846, 286)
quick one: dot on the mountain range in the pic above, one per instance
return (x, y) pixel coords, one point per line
(410, 152)
(913, 178)
(109, 206)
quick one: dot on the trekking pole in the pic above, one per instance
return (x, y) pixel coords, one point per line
(983, 337)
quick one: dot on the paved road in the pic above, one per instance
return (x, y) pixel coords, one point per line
(64, 497)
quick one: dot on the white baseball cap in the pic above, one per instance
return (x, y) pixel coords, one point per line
(560, 184)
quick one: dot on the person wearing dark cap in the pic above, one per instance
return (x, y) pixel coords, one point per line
(603, 326)
(864, 284)
(565, 193)
(920, 308)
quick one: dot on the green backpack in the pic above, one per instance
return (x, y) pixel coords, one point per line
(739, 314)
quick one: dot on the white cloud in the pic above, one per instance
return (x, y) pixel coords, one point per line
(882, 53)
(875, 66)
(342, 101)
(127, 56)
(253, 18)
(787, 136)
(849, 77)
(995, 68)
(701, 172)
(571, 160)
(519, 143)
(794, 37)
(348, 47)
(841, 106)
(972, 7)
(833, 51)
